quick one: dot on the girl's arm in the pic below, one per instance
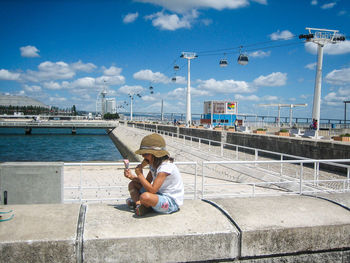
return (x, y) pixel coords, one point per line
(152, 188)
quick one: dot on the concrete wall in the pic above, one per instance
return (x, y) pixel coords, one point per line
(309, 148)
(31, 183)
(248, 230)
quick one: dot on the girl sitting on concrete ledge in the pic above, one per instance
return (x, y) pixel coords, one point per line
(162, 190)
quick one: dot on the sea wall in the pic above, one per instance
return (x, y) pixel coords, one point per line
(250, 230)
(309, 148)
(31, 183)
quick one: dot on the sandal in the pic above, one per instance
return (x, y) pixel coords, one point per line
(6, 216)
(130, 203)
(141, 210)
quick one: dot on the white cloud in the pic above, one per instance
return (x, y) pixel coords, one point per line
(131, 89)
(131, 17)
(86, 83)
(285, 34)
(344, 92)
(29, 52)
(275, 79)
(225, 86)
(33, 88)
(50, 71)
(110, 80)
(304, 96)
(270, 98)
(52, 85)
(181, 80)
(7, 75)
(329, 5)
(259, 54)
(172, 21)
(148, 75)
(80, 66)
(339, 77)
(57, 99)
(333, 99)
(247, 98)
(263, 2)
(181, 6)
(339, 48)
(311, 66)
(342, 12)
(112, 71)
(207, 22)
(314, 2)
(178, 93)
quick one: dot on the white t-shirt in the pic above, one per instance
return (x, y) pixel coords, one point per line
(172, 185)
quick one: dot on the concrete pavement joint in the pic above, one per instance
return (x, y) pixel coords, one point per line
(222, 210)
(329, 200)
(80, 234)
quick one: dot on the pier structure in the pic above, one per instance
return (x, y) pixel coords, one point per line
(28, 126)
(271, 227)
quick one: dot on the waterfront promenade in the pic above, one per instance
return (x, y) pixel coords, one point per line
(264, 227)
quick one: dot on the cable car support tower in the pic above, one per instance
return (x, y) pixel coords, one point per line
(321, 37)
(188, 56)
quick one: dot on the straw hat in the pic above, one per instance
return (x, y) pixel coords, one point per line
(153, 144)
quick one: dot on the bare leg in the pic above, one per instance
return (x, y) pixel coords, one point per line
(148, 199)
(134, 190)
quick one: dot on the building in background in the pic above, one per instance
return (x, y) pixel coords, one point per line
(219, 113)
(111, 105)
(20, 101)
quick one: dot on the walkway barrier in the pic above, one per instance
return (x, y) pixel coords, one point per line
(123, 188)
(278, 183)
(302, 185)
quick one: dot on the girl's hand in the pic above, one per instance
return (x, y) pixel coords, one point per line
(138, 170)
(128, 174)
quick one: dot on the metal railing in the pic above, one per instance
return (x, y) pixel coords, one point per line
(80, 187)
(219, 188)
(304, 186)
(58, 124)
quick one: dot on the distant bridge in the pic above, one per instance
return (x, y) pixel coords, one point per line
(29, 125)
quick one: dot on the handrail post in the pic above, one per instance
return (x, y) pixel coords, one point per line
(80, 184)
(301, 179)
(222, 149)
(237, 152)
(281, 165)
(256, 156)
(202, 180)
(317, 172)
(195, 181)
(348, 176)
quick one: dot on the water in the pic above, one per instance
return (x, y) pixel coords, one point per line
(51, 145)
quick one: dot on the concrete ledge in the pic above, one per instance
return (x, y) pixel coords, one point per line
(269, 229)
(288, 224)
(125, 146)
(39, 233)
(197, 232)
(31, 182)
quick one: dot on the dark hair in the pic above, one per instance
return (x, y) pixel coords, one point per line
(157, 161)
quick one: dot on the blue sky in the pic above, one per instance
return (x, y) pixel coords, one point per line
(64, 52)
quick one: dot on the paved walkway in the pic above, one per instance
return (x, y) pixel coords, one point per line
(106, 183)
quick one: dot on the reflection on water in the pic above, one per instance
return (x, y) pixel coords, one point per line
(56, 145)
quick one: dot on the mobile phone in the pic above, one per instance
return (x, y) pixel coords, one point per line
(126, 163)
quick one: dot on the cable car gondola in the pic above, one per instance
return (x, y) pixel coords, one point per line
(176, 67)
(173, 79)
(223, 63)
(242, 58)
